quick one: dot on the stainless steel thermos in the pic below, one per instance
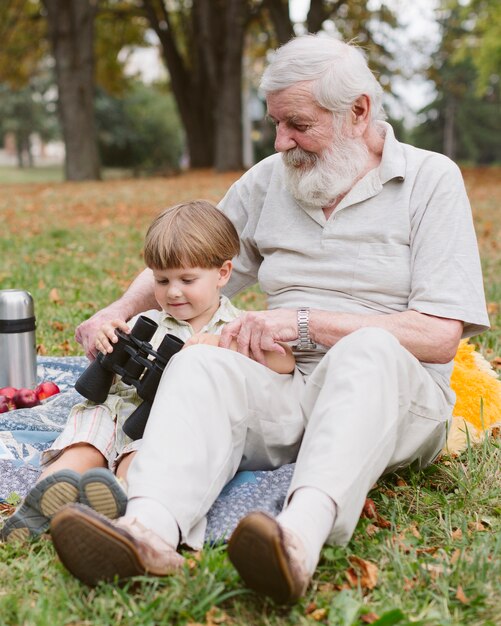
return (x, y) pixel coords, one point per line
(18, 359)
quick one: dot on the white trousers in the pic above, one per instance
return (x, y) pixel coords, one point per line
(369, 407)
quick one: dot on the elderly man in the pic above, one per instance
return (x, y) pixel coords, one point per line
(366, 251)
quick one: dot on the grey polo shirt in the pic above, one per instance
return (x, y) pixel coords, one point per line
(401, 239)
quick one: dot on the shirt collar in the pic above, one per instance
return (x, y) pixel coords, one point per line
(224, 314)
(393, 162)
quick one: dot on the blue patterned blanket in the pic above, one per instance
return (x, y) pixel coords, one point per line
(25, 433)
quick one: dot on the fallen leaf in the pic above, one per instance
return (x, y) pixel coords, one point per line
(478, 526)
(409, 583)
(457, 534)
(493, 308)
(455, 556)
(371, 530)
(312, 606)
(54, 295)
(415, 532)
(369, 618)
(370, 511)
(460, 595)
(496, 362)
(363, 574)
(58, 326)
(65, 347)
(215, 616)
(41, 349)
(318, 614)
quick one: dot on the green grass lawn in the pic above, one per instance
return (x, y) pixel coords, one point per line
(431, 555)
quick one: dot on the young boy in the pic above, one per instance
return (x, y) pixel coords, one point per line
(189, 248)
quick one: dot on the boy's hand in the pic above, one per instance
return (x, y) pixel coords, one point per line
(106, 335)
(205, 338)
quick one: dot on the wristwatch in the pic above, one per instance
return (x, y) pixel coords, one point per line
(303, 327)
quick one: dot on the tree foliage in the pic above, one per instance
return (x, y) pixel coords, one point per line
(481, 41)
(459, 122)
(140, 130)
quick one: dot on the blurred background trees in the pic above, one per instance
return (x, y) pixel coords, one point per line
(71, 58)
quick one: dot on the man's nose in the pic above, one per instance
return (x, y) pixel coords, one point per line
(284, 139)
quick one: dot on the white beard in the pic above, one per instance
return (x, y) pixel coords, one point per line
(319, 179)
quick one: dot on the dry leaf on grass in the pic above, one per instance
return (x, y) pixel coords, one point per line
(369, 618)
(363, 574)
(370, 512)
(460, 595)
(318, 614)
(54, 295)
(455, 556)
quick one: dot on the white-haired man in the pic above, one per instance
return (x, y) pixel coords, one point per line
(366, 251)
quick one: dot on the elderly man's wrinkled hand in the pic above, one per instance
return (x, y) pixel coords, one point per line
(87, 332)
(258, 331)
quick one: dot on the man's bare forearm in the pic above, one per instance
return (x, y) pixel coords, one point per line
(430, 339)
(138, 297)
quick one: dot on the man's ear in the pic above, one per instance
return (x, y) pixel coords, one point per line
(225, 273)
(360, 115)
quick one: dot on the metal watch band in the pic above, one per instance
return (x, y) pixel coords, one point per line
(303, 326)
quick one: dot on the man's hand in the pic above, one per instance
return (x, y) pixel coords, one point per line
(258, 331)
(107, 336)
(86, 333)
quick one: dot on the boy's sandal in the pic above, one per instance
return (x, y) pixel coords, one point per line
(42, 502)
(100, 490)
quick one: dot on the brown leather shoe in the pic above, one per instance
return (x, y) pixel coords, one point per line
(94, 548)
(270, 559)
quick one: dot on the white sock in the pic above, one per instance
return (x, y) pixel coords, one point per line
(156, 517)
(310, 515)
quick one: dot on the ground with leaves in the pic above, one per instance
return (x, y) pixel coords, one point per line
(427, 548)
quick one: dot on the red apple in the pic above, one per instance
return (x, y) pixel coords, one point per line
(45, 390)
(4, 404)
(26, 398)
(9, 393)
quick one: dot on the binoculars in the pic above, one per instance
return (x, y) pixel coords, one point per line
(130, 360)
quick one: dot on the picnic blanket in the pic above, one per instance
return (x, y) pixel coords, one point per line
(25, 433)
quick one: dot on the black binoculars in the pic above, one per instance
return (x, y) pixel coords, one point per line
(130, 360)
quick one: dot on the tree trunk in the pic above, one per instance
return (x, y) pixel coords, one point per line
(279, 15)
(228, 110)
(71, 32)
(449, 146)
(206, 79)
(189, 81)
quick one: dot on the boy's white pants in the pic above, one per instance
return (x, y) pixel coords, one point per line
(368, 407)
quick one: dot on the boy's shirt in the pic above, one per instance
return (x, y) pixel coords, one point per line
(169, 325)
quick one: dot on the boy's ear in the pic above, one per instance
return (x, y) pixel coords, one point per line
(225, 273)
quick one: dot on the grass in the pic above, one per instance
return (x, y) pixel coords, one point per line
(431, 555)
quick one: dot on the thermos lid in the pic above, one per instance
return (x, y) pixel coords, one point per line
(17, 311)
(15, 304)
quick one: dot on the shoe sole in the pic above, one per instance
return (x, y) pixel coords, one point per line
(44, 500)
(91, 549)
(100, 490)
(256, 549)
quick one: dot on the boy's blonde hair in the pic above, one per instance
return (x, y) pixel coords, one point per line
(192, 234)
